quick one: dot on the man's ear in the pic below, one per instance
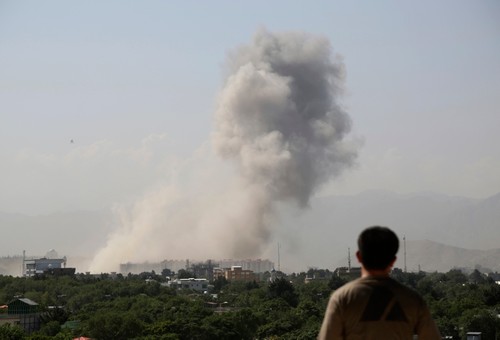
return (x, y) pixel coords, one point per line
(393, 261)
(358, 256)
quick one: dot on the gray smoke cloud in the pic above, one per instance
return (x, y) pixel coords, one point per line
(278, 118)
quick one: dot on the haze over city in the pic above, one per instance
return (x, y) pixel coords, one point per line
(217, 130)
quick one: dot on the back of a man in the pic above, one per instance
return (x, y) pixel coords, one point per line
(375, 306)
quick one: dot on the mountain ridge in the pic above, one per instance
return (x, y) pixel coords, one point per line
(318, 236)
(332, 223)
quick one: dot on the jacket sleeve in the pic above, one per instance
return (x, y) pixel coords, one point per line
(426, 328)
(332, 327)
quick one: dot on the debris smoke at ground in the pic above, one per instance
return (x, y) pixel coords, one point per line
(279, 120)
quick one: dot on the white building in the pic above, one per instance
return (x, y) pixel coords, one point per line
(255, 265)
(33, 266)
(199, 285)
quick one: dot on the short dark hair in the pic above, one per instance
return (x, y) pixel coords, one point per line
(378, 247)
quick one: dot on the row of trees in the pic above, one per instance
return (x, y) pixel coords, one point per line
(139, 307)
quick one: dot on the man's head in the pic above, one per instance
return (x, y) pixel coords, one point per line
(377, 247)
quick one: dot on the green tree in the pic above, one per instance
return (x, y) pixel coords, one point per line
(9, 332)
(184, 274)
(50, 328)
(238, 325)
(219, 283)
(456, 276)
(114, 325)
(477, 277)
(160, 329)
(336, 282)
(480, 320)
(282, 288)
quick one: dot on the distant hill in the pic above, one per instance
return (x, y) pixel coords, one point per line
(433, 256)
(458, 221)
(321, 235)
(460, 232)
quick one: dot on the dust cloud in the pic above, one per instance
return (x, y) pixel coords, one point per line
(279, 136)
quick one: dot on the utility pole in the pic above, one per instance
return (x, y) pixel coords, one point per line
(404, 244)
(279, 267)
(348, 260)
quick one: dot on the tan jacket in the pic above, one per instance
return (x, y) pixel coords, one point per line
(377, 308)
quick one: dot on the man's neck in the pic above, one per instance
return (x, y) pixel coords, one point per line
(365, 272)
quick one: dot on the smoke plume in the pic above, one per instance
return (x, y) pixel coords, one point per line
(279, 120)
(278, 115)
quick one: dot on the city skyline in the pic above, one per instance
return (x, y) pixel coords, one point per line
(116, 107)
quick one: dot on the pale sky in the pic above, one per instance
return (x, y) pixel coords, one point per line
(134, 85)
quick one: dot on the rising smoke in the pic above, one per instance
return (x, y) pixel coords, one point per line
(279, 120)
(278, 115)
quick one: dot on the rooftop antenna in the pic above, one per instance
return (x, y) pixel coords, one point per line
(349, 260)
(279, 267)
(404, 245)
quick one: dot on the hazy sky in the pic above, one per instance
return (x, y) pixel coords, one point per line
(134, 85)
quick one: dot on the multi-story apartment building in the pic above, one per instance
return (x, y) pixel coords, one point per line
(235, 273)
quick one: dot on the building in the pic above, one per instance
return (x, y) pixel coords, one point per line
(203, 269)
(474, 335)
(314, 278)
(23, 313)
(348, 273)
(495, 277)
(199, 268)
(235, 273)
(60, 272)
(157, 267)
(36, 266)
(137, 268)
(257, 265)
(199, 285)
